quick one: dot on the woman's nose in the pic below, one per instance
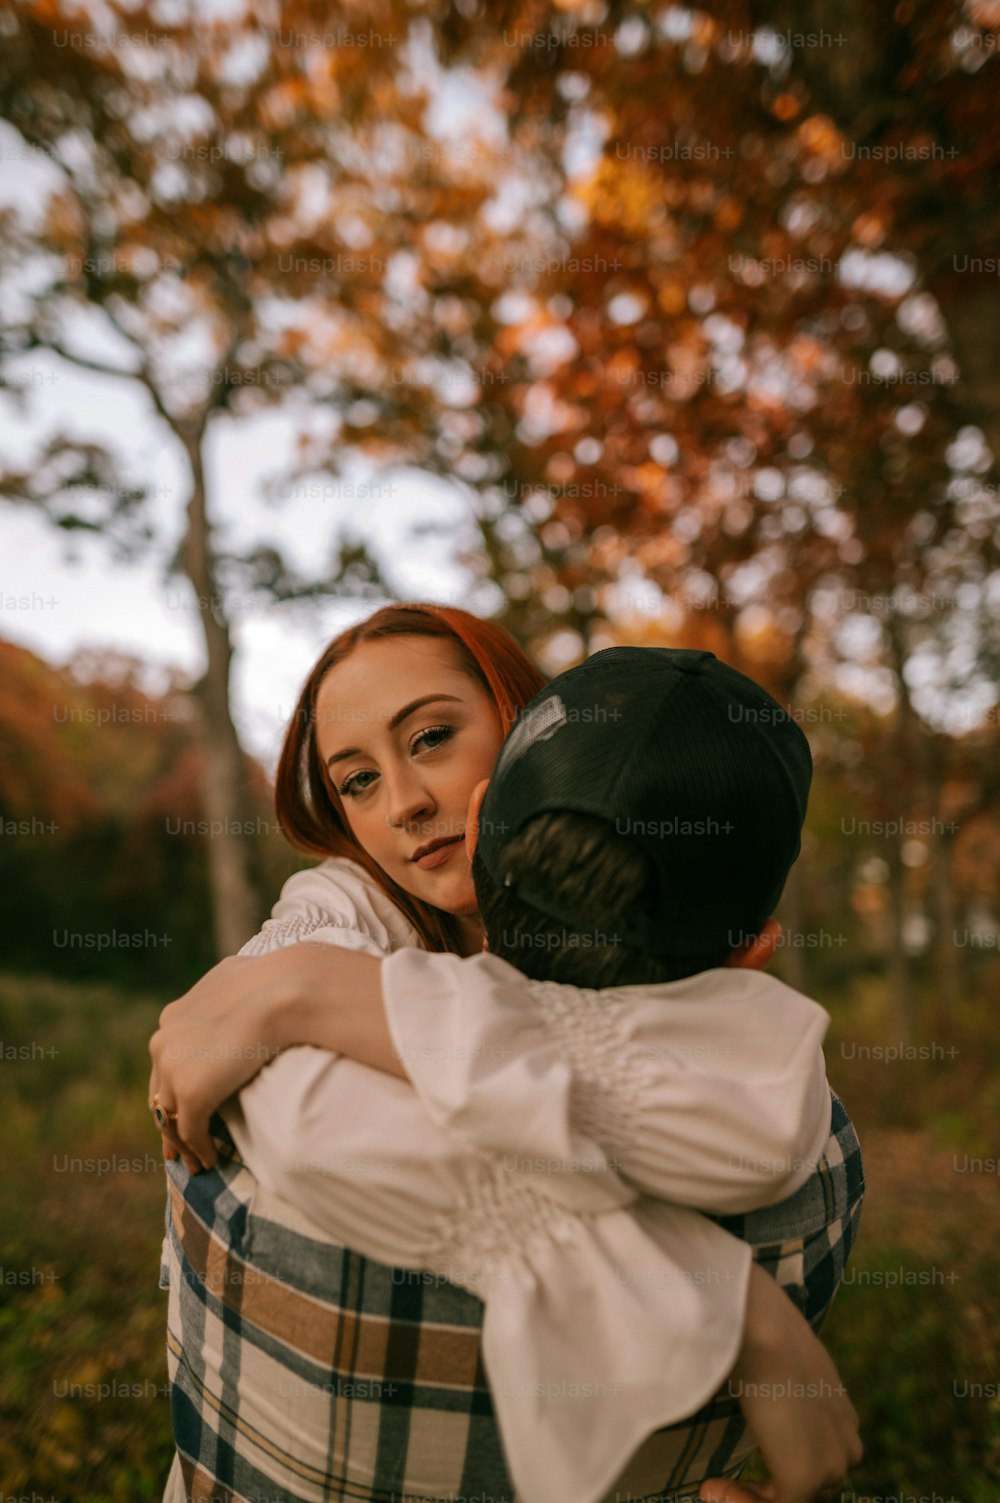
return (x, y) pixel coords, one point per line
(408, 799)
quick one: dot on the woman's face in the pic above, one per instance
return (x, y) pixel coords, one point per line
(405, 734)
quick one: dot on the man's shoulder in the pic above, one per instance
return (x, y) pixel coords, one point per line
(827, 1200)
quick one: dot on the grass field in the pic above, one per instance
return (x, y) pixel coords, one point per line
(84, 1413)
(83, 1408)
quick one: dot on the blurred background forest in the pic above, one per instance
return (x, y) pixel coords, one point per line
(694, 320)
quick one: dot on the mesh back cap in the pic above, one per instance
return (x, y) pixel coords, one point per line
(679, 752)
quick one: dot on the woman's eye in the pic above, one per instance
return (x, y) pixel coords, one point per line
(352, 786)
(434, 736)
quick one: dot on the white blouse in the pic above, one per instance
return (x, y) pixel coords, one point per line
(523, 1162)
(335, 903)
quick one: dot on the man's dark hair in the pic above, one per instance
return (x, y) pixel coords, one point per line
(591, 871)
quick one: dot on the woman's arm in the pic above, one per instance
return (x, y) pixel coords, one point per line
(245, 1010)
(717, 1103)
(709, 1092)
(334, 903)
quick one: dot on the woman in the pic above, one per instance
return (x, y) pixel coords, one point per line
(398, 721)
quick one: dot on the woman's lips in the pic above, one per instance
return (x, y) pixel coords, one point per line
(439, 855)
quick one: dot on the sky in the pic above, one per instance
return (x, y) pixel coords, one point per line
(60, 597)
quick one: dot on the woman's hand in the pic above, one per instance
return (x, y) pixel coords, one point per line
(245, 1010)
(210, 1042)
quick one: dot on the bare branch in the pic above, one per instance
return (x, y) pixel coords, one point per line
(81, 360)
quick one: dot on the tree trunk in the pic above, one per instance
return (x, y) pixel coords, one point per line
(901, 769)
(948, 979)
(224, 794)
(900, 985)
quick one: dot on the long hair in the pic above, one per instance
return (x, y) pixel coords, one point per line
(309, 809)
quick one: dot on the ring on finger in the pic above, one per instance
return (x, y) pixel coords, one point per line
(162, 1114)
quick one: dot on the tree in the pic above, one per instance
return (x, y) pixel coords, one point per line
(214, 237)
(103, 858)
(757, 382)
(687, 350)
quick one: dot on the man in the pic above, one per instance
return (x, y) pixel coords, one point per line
(682, 891)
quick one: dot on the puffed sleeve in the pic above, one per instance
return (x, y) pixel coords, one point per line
(709, 1092)
(334, 903)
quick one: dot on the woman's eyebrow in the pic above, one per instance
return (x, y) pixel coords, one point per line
(397, 720)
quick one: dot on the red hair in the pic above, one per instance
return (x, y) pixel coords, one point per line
(310, 810)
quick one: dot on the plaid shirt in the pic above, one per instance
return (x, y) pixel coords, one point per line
(386, 1363)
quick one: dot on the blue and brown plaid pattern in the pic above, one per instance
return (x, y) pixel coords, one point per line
(383, 1367)
(804, 1243)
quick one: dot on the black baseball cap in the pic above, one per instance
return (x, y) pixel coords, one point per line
(679, 752)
